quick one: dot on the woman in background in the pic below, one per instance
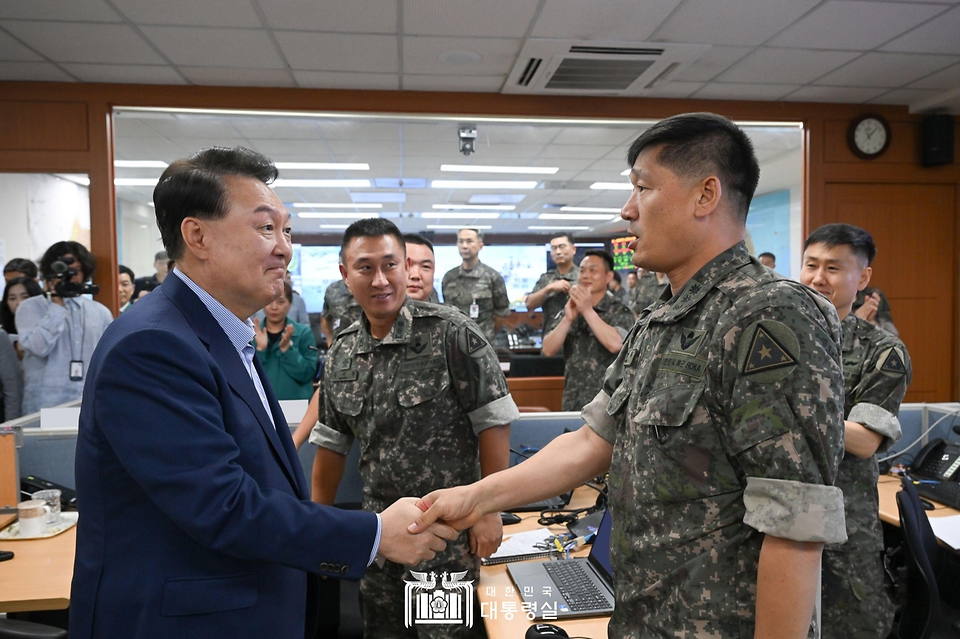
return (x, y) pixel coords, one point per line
(287, 350)
(16, 290)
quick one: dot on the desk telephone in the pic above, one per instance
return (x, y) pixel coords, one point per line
(935, 471)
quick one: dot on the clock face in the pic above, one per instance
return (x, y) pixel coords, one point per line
(870, 136)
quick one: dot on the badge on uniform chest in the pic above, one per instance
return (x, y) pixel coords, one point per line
(684, 355)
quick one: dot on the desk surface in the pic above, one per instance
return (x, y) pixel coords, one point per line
(888, 486)
(39, 575)
(496, 588)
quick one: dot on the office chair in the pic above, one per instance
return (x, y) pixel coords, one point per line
(16, 629)
(920, 595)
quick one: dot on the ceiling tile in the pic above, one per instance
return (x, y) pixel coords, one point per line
(125, 74)
(834, 94)
(949, 78)
(70, 10)
(905, 96)
(421, 54)
(239, 48)
(854, 24)
(797, 66)
(85, 42)
(209, 13)
(493, 18)
(11, 50)
(937, 36)
(477, 83)
(673, 90)
(611, 136)
(732, 22)
(712, 63)
(886, 70)
(345, 80)
(221, 76)
(33, 71)
(601, 19)
(339, 52)
(355, 16)
(734, 91)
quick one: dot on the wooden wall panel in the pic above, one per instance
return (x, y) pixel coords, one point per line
(913, 226)
(43, 126)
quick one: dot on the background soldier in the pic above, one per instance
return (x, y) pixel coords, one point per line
(590, 332)
(422, 390)
(421, 266)
(876, 366)
(720, 420)
(340, 310)
(475, 288)
(646, 292)
(551, 290)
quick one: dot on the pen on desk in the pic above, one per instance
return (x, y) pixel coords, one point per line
(505, 538)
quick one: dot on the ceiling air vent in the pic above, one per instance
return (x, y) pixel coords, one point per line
(547, 66)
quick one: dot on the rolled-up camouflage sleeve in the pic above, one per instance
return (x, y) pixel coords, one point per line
(601, 413)
(783, 387)
(477, 378)
(330, 432)
(877, 397)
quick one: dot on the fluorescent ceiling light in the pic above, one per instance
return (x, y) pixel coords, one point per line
(611, 186)
(478, 168)
(460, 216)
(336, 216)
(328, 205)
(135, 181)
(561, 216)
(323, 166)
(474, 207)
(589, 209)
(482, 184)
(321, 184)
(558, 228)
(334, 226)
(140, 164)
(458, 226)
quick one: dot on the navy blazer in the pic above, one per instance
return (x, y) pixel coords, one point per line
(195, 519)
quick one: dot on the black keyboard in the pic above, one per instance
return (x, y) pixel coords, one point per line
(576, 586)
(947, 493)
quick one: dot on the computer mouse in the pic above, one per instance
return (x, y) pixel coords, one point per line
(927, 505)
(509, 519)
(544, 630)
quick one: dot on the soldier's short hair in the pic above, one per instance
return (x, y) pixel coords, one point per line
(603, 255)
(696, 145)
(415, 238)
(371, 227)
(562, 234)
(831, 235)
(768, 254)
(477, 231)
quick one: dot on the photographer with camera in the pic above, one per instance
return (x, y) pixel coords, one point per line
(60, 329)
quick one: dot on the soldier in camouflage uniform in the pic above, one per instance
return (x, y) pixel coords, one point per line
(876, 366)
(340, 310)
(421, 266)
(552, 289)
(475, 288)
(876, 310)
(646, 291)
(422, 391)
(590, 332)
(720, 420)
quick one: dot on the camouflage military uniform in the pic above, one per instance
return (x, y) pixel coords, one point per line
(876, 371)
(725, 410)
(434, 298)
(646, 291)
(339, 307)
(416, 401)
(884, 317)
(553, 304)
(585, 358)
(482, 286)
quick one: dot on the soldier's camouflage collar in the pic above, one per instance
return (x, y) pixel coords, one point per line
(399, 333)
(476, 271)
(698, 285)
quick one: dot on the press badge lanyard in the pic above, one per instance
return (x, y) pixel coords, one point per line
(76, 363)
(474, 309)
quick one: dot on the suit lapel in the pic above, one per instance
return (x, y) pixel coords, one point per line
(288, 451)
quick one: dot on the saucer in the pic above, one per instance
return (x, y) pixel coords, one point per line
(67, 521)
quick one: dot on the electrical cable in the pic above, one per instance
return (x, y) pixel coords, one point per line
(953, 414)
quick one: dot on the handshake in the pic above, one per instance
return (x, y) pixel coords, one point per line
(414, 530)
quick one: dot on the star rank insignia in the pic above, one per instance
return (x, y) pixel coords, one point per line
(474, 342)
(891, 363)
(766, 353)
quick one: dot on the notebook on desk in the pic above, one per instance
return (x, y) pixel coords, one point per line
(581, 587)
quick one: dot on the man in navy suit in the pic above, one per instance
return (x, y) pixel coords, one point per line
(196, 520)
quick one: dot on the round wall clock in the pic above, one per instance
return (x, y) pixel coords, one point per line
(868, 136)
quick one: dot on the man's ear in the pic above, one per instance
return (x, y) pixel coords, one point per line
(708, 194)
(195, 237)
(609, 277)
(865, 276)
(343, 272)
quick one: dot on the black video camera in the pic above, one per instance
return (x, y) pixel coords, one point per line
(65, 272)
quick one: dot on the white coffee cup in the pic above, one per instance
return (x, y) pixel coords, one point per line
(33, 516)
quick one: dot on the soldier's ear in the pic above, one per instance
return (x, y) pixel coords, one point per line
(865, 276)
(708, 193)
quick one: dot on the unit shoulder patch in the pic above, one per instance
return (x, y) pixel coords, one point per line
(768, 351)
(890, 363)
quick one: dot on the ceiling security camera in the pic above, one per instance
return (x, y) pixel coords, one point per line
(468, 140)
